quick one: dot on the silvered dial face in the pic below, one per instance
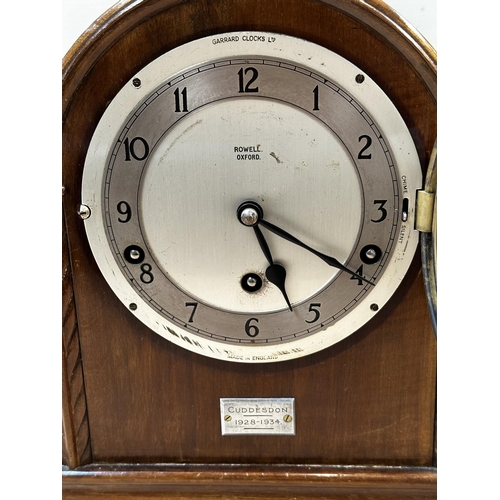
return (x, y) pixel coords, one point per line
(231, 129)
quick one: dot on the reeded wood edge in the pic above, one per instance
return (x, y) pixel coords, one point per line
(419, 52)
(382, 10)
(99, 37)
(106, 19)
(273, 480)
(76, 432)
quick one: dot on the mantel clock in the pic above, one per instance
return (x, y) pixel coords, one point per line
(245, 306)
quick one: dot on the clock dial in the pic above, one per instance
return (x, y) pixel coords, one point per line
(264, 122)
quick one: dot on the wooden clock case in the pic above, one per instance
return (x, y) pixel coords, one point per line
(140, 414)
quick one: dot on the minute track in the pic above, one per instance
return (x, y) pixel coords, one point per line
(192, 111)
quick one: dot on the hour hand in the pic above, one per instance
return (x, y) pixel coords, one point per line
(275, 273)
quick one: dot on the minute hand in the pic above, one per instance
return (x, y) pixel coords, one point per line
(331, 261)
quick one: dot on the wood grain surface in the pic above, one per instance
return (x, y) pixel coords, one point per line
(237, 482)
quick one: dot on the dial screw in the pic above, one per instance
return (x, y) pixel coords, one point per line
(370, 253)
(251, 282)
(136, 82)
(360, 78)
(134, 254)
(374, 307)
(84, 212)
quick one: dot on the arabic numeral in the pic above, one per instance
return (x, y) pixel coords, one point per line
(178, 95)
(314, 308)
(247, 88)
(123, 208)
(381, 208)
(132, 150)
(251, 330)
(194, 305)
(368, 142)
(359, 272)
(316, 98)
(146, 275)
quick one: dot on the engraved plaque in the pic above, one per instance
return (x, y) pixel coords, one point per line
(257, 416)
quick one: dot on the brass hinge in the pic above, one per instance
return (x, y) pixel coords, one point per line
(426, 198)
(425, 211)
